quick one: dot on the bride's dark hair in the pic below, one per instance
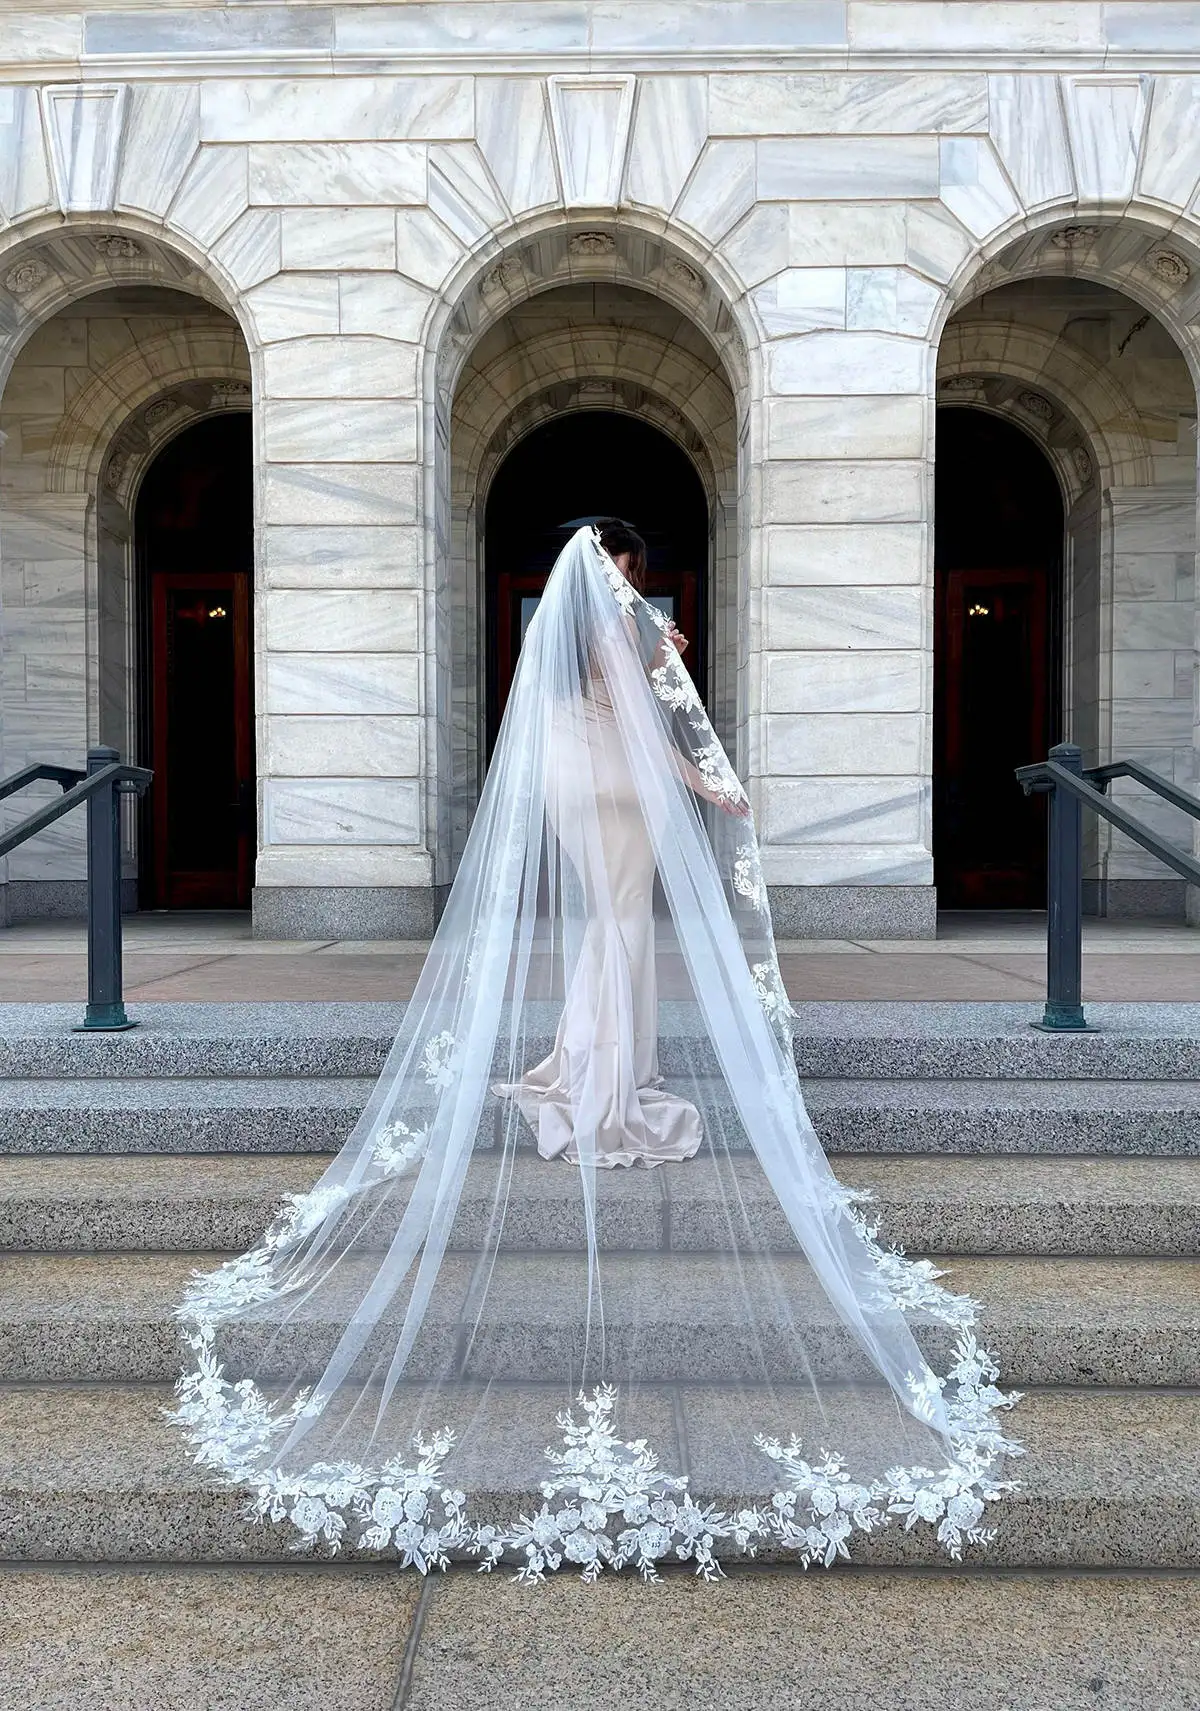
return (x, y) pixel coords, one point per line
(617, 537)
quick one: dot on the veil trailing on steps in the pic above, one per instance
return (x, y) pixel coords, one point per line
(489, 1331)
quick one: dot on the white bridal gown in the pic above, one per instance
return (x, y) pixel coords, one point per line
(602, 1078)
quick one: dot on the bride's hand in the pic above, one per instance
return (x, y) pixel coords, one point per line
(739, 809)
(676, 636)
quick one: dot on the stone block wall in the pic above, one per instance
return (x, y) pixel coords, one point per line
(820, 187)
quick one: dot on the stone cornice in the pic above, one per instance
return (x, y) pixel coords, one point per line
(196, 68)
(147, 42)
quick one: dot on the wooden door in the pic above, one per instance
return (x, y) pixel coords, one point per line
(202, 800)
(992, 716)
(675, 593)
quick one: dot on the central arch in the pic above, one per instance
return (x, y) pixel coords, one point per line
(537, 345)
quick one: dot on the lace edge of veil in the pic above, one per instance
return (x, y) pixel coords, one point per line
(609, 1504)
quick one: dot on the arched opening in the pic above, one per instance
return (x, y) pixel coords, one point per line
(998, 653)
(1078, 336)
(194, 543)
(571, 331)
(588, 464)
(119, 346)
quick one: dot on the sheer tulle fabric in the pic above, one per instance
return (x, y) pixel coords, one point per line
(491, 1331)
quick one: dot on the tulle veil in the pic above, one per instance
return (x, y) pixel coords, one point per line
(489, 1331)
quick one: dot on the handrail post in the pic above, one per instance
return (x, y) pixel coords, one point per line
(1064, 902)
(105, 1006)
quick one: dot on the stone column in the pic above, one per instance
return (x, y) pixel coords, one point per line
(840, 744)
(340, 634)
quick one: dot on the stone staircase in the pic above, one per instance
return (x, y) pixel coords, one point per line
(1057, 1180)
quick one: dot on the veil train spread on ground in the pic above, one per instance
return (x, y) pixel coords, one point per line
(488, 1271)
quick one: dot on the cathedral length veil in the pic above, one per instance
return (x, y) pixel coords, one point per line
(480, 1335)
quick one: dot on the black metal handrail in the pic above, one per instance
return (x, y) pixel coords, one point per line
(64, 775)
(101, 788)
(1102, 777)
(1062, 777)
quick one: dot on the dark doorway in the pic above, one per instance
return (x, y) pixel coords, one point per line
(194, 531)
(592, 463)
(997, 651)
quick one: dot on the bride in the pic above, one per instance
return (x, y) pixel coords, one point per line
(385, 1368)
(607, 1035)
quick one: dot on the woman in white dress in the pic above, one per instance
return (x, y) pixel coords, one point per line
(606, 1047)
(389, 1363)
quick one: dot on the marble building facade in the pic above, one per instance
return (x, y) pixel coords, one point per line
(788, 233)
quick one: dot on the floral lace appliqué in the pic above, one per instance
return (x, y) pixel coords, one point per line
(820, 1505)
(405, 1509)
(674, 687)
(437, 1059)
(747, 877)
(397, 1146)
(771, 992)
(714, 768)
(612, 1506)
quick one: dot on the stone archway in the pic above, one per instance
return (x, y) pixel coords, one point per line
(116, 345)
(1076, 336)
(577, 322)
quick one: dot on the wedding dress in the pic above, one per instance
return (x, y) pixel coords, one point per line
(386, 1367)
(606, 1047)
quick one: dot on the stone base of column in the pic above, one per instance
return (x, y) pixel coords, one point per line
(23, 900)
(854, 911)
(346, 911)
(412, 911)
(1136, 899)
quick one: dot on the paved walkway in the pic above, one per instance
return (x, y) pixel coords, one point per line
(189, 957)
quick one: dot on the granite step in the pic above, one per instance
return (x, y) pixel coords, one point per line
(1053, 1321)
(1109, 1479)
(975, 1641)
(930, 1204)
(91, 1116)
(885, 1041)
(292, 1636)
(334, 1637)
(275, 1114)
(1147, 1118)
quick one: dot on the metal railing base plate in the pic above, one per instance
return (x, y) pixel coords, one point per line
(1044, 1027)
